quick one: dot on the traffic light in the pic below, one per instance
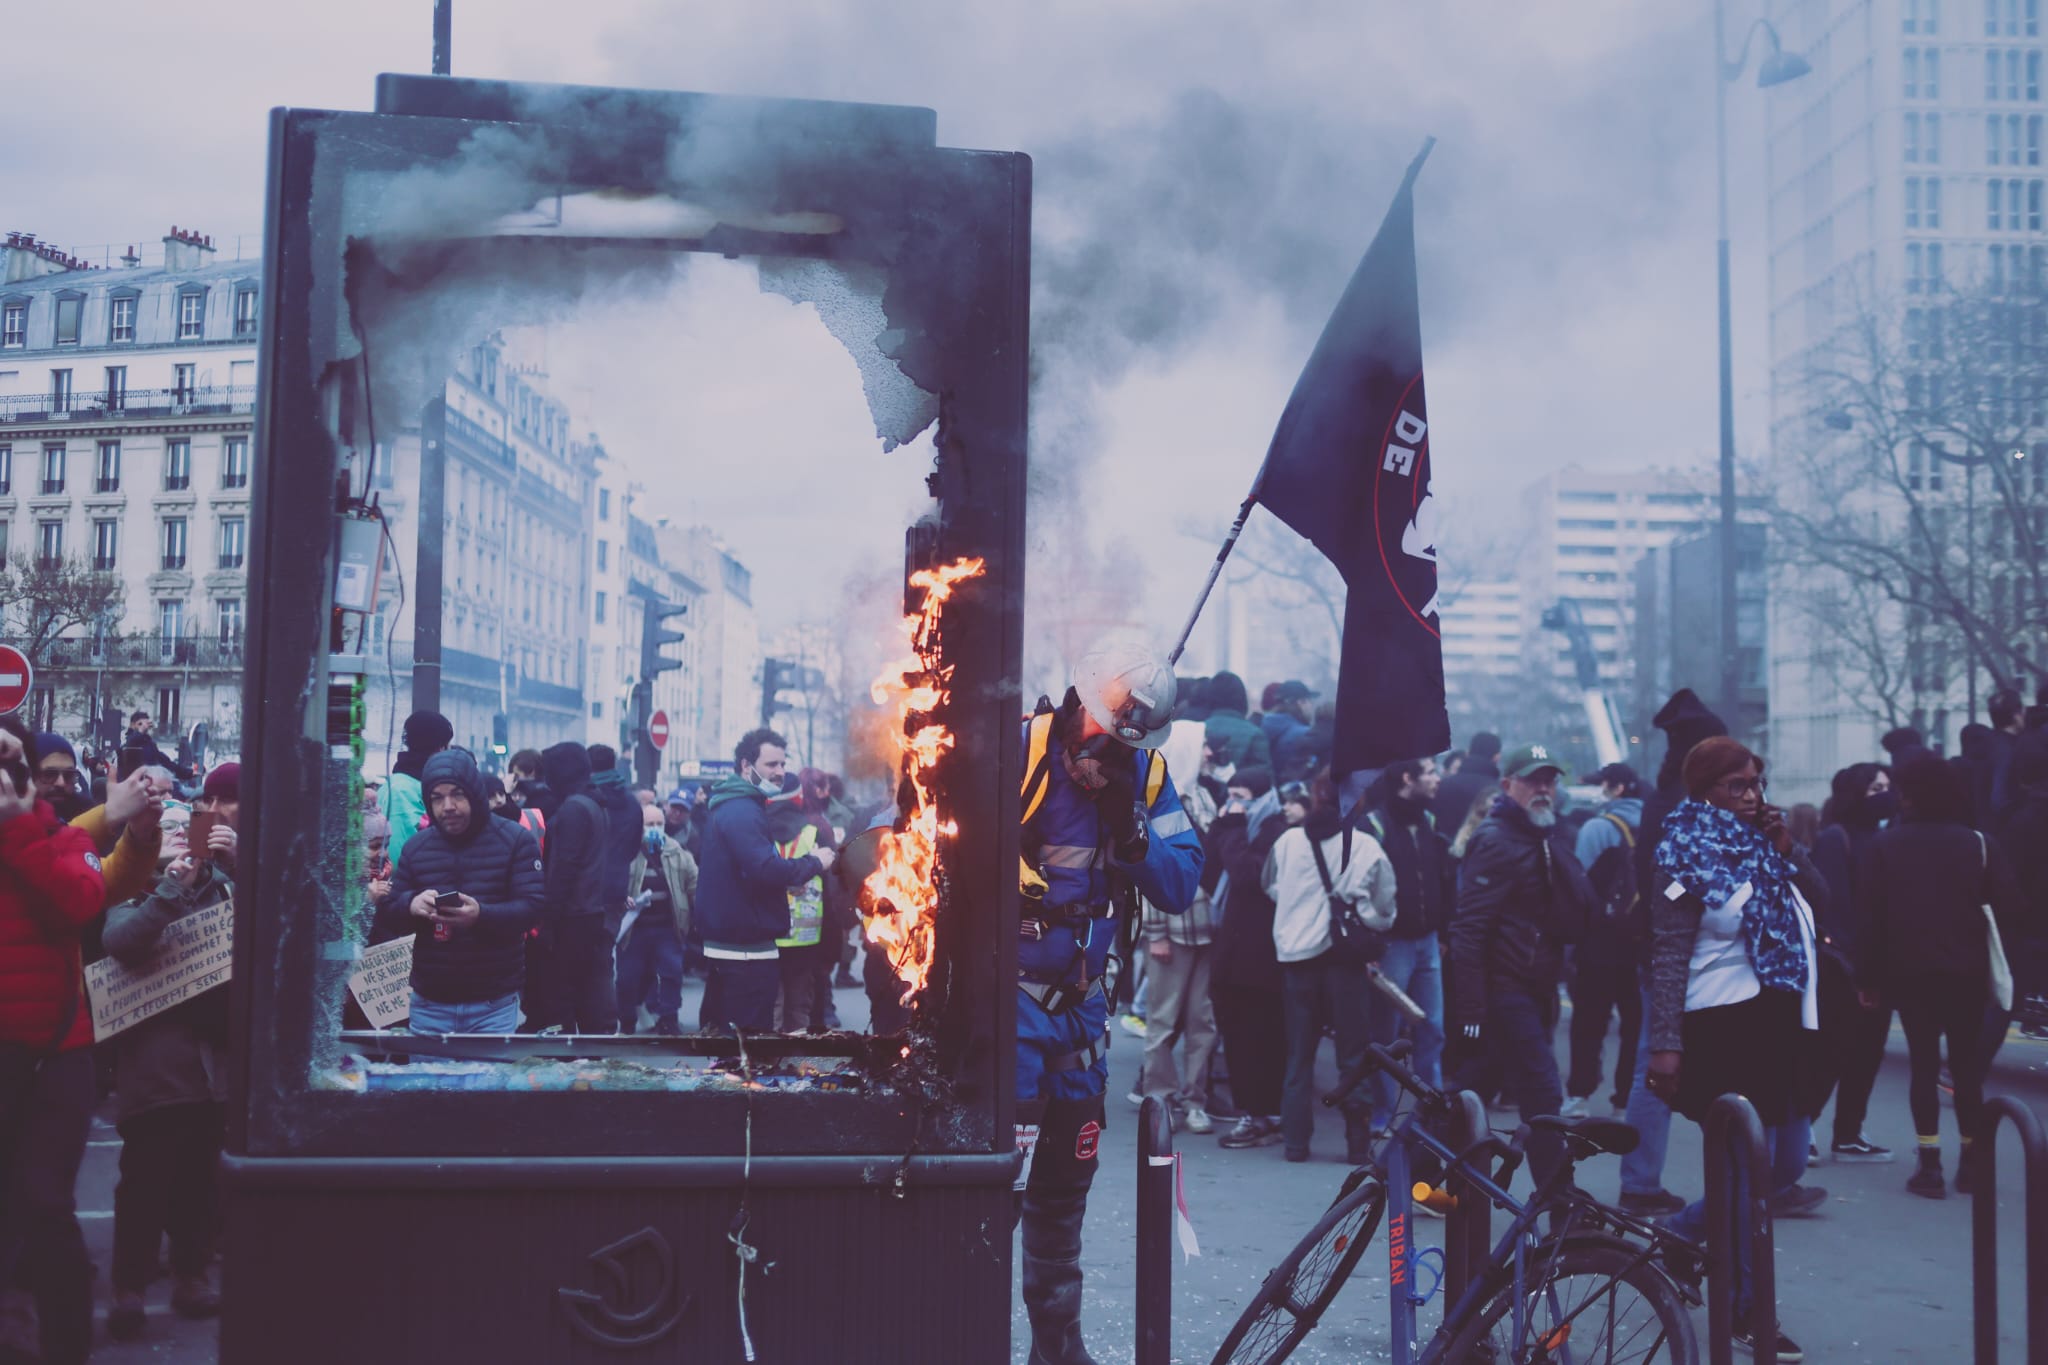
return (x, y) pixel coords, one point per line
(501, 733)
(776, 674)
(655, 636)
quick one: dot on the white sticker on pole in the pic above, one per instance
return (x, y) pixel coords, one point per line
(1027, 1143)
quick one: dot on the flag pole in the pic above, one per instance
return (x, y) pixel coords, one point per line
(1244, 512)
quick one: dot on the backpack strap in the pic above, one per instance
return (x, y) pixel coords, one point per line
(1322, 868)
(1037, 760)
(1628, 836)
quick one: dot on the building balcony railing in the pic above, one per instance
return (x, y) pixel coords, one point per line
(145, 652)
(208, 400)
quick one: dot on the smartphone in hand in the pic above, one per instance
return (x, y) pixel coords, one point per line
(447, 900)
(200, 833)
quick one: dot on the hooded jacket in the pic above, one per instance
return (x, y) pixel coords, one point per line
(1245, 958)
(743, 882)
(52, 891)
(1425, 876)
(180, 1055)
(494, 862)
(1522, 896)
(578, 834)
(1228, 732)
(1838, 853)
(622, 838)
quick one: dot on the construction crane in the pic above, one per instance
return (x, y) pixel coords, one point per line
(1601, 717)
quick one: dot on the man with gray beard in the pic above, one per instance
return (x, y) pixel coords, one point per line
(1522, 896)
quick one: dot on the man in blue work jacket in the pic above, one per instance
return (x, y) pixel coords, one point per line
(1101, 820)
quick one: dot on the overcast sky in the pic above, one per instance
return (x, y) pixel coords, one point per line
(1207, 174)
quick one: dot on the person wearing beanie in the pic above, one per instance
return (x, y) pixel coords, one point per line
(1231, 737)
(57, 777)
(1685, 721)
(1456, 793)
(401, 801)
(569, 964)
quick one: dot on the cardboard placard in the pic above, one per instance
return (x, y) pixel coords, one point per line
(382, 983)
(194, 955)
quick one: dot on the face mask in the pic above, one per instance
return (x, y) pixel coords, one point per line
(771, 786)
(653, 842)
(1883, 806)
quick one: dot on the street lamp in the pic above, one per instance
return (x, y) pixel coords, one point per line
(1777, 67)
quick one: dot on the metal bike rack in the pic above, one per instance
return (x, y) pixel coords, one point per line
(1468, 1229)
(1731, 1124)
(1984, 1229)
(1155, 1232)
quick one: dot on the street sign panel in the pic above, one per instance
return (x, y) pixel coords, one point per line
(16, 678)
(657, 729)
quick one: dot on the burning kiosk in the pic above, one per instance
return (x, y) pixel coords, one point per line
(566, 1199)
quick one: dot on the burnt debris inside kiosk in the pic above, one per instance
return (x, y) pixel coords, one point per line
(455, 232)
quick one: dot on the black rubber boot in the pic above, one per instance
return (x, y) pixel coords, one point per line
(1927, 1182)
(1052, 1277)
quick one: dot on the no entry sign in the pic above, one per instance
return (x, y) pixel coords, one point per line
(657, 729)
(16, 678)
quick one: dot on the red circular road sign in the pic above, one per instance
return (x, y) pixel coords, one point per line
(16, 678)
(657, 729)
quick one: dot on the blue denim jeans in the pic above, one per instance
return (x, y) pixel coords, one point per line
(477, 1016)
(652, 954)
(1642, 1171)
(1416, 966)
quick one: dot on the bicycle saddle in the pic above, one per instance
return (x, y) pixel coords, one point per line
(1602, 1134)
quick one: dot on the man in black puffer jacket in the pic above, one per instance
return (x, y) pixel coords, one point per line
(467, 888)
(569, 963)
(1522, 896)
(622, 831)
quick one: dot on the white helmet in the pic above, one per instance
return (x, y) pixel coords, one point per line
(1129, 691)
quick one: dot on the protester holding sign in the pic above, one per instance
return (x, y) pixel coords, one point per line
(52, 890)
(170, 1071)
(468, 887)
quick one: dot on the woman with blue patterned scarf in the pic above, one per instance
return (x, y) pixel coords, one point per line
(1734, 965)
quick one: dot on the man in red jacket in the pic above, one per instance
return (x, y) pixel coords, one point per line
(52, 890)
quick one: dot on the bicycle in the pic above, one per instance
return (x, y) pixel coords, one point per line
(1533, 1301)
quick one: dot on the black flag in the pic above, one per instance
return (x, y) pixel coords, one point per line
(1349, 468)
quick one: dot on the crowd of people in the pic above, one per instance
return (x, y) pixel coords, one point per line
(1732, 946)
(1454, 899)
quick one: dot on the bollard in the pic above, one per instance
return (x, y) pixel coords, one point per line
(1155, 1232)
(1984, 1229)
(1468, 1229)
(1732, 1124)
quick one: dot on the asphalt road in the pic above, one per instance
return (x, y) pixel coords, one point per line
(1876, 1276)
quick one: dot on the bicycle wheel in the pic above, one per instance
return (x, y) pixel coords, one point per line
(1300, 1288)
(1589, 1306)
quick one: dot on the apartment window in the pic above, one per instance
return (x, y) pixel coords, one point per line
(121, 321)
(2012, 75)
(6, 536)
(174, 542)
(1933, 266)
(1930, 73)
(2033, 206)
(1994, 198)
(1994, 140)
(191, 315)
(1912, 138)
(177, 466)
(60, 390)
(1931, 207)
(1930, 147)
(1912, 201)
(170, 715)
(70, 307)
(1923, 468)
(182, 382)
(14, 325)
(170, 620)
(50, 543)
(2033, 18)
(229, 613)
(234, 541)
(106, 543)
(2033, 78)
(245, 312)
(604, 504)
(1916, 268)
(234, 462)
(1911, 63)
(1990, 18)
(603, 556)
(53, 469)
(600, 608)
(6, 470)
(117, 388)
(1919, 16)
(106, 474)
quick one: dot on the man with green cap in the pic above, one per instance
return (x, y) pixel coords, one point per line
(1522, 896)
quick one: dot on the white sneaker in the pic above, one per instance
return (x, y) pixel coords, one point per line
(1132, 1024)
(1137, 1099)
(1574, 1107)
(1197, 1120)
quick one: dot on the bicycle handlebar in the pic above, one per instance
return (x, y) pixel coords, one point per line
(1387, 1059)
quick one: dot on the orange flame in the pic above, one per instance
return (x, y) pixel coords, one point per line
(901, 896)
